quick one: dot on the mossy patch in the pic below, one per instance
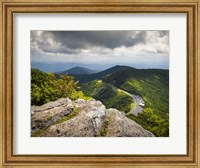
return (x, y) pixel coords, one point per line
(104, 127)
(72, 114)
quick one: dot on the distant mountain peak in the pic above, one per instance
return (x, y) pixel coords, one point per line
(77, 70)
(122, 66)
(77, 67)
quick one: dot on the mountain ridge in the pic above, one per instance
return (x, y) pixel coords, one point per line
(77, 70)
(55, 67)
(83, 78)
(152, 85)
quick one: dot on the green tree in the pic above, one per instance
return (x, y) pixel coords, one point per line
(45, 87)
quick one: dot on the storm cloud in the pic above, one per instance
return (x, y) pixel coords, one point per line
(102, 46)
(107, 39)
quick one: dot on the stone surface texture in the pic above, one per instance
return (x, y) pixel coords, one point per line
(87, 122)
(121, 126)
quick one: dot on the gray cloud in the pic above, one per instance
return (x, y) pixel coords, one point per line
(163, 33)
(107, 39)
(66, 41)
(94, 46)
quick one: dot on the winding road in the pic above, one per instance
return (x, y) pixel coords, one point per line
(137, 101)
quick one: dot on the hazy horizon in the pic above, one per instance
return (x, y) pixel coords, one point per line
(59, 67)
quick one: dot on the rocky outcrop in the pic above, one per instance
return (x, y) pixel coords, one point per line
(87, 123)
(48, 114)
(121, 126)
(51, 105)
(82, 118)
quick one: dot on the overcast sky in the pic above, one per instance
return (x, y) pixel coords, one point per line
(149, 48)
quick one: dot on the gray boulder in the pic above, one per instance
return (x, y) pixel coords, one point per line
(87, 123)
(50, 105)
(82, 118)
(47, 114)
(121, 126)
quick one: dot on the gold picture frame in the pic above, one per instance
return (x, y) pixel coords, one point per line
(189, 7)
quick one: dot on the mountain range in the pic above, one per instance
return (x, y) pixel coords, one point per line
(63, 66)
(152, 85)
(79, 70)
(115, 87)
(83, 78)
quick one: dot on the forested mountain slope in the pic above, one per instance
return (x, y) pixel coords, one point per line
(152, 85)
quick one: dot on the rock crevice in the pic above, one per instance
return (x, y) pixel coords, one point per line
(88, 120)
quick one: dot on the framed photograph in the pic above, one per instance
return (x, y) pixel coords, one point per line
(92, 84)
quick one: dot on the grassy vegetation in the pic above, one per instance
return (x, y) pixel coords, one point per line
(39, 132)
(153, 86)
(104, 127)
(72, 114)
(110, 97)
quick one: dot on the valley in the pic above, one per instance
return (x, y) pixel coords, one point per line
(142, 94)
